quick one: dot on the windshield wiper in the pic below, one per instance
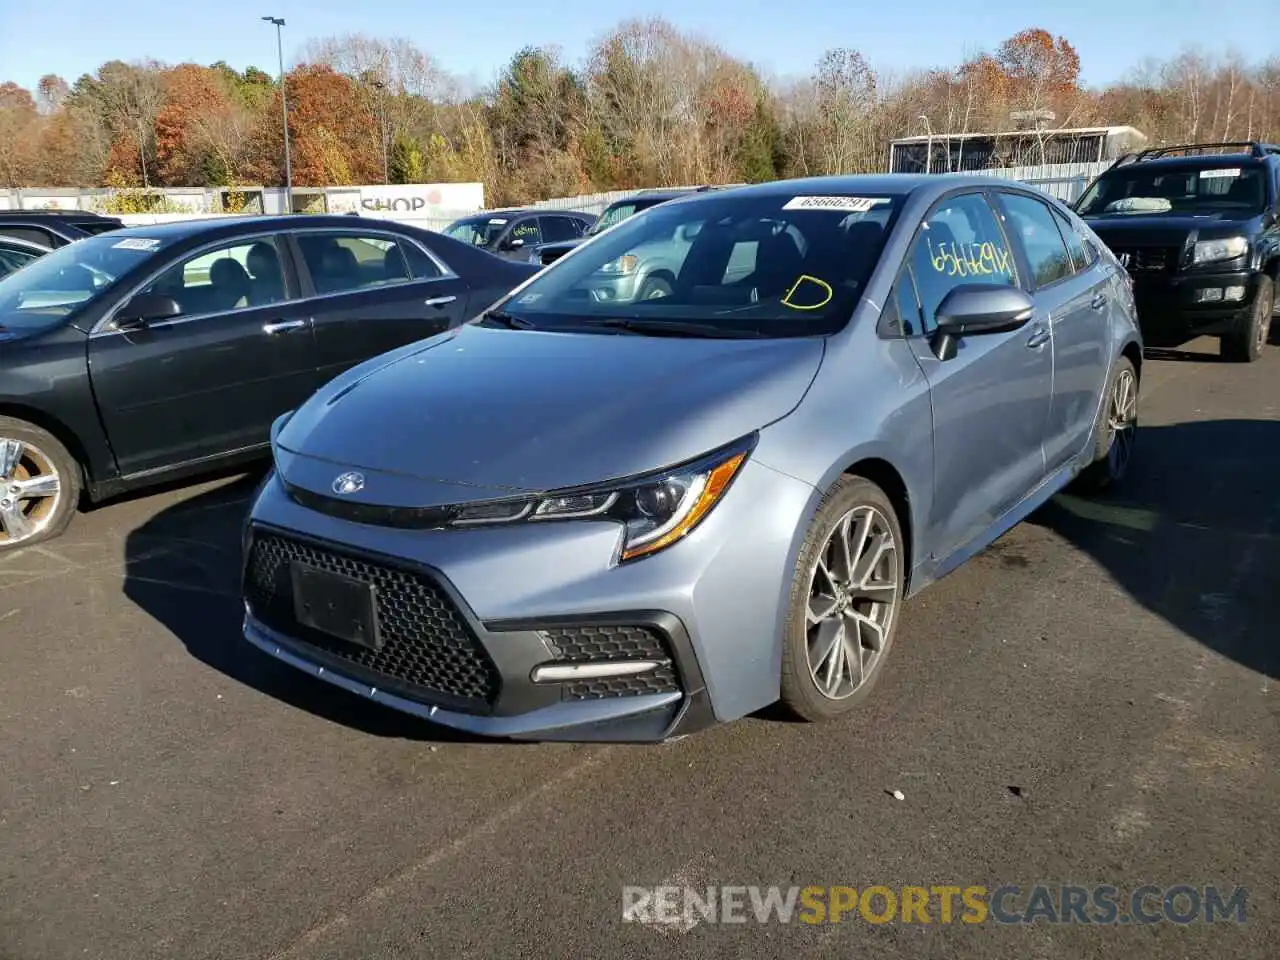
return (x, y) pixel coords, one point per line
(653, 327)
(507, 320)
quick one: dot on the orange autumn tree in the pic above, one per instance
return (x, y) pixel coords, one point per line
(1042, 73)
(333, 134)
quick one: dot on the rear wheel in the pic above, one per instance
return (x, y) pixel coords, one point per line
(1114, 432)
(39, 485)
(1244, 344)
(845, 596)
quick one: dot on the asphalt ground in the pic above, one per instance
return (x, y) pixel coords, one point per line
(1091, 701)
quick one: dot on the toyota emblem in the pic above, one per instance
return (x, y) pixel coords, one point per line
(348, 483)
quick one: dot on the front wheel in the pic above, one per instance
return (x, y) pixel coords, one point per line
(1114, 432)
(39, 485)
(1245, 343)
(848, 586)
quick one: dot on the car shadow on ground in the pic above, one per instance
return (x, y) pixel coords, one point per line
(183, 568)
(1189, 535)
(1193, 533)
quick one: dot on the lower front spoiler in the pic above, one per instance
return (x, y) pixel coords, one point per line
(644, 719)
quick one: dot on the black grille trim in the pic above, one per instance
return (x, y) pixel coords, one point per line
(429, 654)
(415, 518)
(596, 643)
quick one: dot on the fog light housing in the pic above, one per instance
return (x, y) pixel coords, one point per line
(1208, 294)
(1234, 293)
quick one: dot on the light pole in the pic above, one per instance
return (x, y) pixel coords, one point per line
(382, 96)
(284, 107)
(928, 157)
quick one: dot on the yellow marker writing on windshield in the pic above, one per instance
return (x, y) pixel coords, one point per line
(786, 300)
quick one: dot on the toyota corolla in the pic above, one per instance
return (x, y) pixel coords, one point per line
(579, 518)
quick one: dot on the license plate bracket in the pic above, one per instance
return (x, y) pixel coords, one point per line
(335, 604)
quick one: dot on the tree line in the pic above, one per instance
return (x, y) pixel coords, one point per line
(649, 105)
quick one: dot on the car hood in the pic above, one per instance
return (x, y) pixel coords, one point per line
(478, 413)
(1137, 229)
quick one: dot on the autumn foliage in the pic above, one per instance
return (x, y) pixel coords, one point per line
(649, 105)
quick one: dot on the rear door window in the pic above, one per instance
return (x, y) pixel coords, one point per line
(45, 238)
(558, 229)
(344, 261)
(1032, 223)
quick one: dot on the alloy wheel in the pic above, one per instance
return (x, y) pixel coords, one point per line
(854, 592)
(30, 491)
(1122, 418)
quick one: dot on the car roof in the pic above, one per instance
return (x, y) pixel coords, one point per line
(884, 184)
(235, 223)
(1199, 162)
(54, 214)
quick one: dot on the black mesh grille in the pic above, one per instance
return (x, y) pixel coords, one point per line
(1149, 259)
(590, 644)
(428, 651)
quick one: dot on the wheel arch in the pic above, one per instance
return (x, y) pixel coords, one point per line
(889, 479)
(60, 431)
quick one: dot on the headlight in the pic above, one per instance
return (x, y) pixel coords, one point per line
(622, 266)
(656, 510)
(1209, 251)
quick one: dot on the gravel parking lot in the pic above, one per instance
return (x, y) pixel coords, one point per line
(1092, 700)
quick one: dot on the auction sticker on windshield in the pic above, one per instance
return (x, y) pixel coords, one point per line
(136, 243)
(1224, 172)
(843, 204)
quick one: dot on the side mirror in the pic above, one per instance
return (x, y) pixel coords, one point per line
(146, 308)
(513, 243)
(975, 309)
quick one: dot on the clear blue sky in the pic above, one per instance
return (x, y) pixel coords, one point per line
(473, 39)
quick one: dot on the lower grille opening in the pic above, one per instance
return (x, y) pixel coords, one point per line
(601, 644)
(428, 651)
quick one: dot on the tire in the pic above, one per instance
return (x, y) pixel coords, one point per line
(1244, 344)
(1114, 431)
(655, 288)
(811, 688)
(29, 512)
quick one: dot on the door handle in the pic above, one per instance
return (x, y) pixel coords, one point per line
(1099, 301)
(438, 301)
(1039, 337)
(283, 325)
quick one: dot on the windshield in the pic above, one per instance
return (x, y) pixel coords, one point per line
(767, 266)
(1176, 190)
(50, 288)
(477, 231)
(619, 212)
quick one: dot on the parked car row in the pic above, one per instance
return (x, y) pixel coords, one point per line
(691, 469)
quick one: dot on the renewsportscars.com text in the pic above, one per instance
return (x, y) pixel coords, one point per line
(1008, 904)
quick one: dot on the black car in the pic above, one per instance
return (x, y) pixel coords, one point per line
(155, 352)
(15, 254)
(1199, 233)
(616, 212)
(510, 233)
(54, 228)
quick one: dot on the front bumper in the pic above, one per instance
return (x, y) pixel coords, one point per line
(1174, 307)
(708, 611)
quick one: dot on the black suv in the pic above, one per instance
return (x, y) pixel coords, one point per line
(54, 228)
(1198, 228)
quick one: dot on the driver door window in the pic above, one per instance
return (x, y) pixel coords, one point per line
(231, 277)
(960, 242)
(526, 230)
